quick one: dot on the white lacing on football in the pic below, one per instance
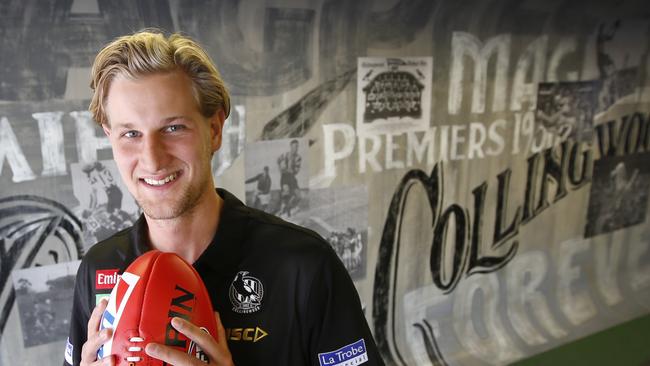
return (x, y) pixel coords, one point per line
(135, 349)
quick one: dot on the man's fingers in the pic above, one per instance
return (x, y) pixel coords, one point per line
(166, 354)
(89, 349)
(214, 345)
(192, 332)
(222, 355)
(95, 318)
(221, 332)
(107, 361)
(96, 338)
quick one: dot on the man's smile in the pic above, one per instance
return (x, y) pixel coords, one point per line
(162, 181)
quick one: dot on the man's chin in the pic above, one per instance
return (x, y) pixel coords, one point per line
(159, 214)
(169, 210)
(156, 211)
(171, 206)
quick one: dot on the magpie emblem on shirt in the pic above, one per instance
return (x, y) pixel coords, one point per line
(246, 293)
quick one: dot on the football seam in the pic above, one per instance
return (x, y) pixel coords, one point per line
(145, 293)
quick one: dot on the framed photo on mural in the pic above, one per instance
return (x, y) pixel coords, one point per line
(393, 94)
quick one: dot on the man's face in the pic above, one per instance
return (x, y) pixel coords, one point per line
(161, 143)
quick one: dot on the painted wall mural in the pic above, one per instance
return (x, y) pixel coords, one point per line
(482, 168)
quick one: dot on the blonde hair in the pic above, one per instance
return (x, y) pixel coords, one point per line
(148, 52)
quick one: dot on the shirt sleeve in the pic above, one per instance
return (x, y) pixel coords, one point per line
(79, 318)
(337, 328)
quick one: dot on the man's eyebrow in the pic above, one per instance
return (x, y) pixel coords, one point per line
(175, 118)
(125, 125)
(129, 125)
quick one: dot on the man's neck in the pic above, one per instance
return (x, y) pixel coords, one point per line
(190, 234)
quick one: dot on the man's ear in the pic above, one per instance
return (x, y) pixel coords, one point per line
(107, 129)
(216, 129)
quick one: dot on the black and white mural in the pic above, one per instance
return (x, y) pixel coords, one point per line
(481, 168)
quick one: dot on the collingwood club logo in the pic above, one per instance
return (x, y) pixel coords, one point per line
(246, 293)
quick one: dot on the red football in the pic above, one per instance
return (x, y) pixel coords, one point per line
(155, 288)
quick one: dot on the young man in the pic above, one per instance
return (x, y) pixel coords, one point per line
(281, 293)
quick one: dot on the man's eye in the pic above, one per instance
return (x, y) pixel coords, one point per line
(175, 128)
(131, 134)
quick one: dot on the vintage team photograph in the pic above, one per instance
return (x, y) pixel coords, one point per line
(277, 177)
(393, 94)
(44, 298)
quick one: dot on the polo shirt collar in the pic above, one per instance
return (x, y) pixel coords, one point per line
(139, 236)
(224, 253)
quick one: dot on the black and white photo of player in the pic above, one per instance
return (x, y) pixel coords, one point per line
(44, 298)
(277, 177)
(619, 193)
(566, 109)
(340, 215)
(618, 76)
(393, 94)
(105, 205)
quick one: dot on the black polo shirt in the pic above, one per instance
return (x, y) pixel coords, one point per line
(283, 295)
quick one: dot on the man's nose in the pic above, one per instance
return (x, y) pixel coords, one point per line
(153, 156)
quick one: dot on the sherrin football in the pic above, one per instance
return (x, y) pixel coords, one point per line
(155, 288)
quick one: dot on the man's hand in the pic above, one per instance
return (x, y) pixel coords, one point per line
(96, 339)
(217, 351)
